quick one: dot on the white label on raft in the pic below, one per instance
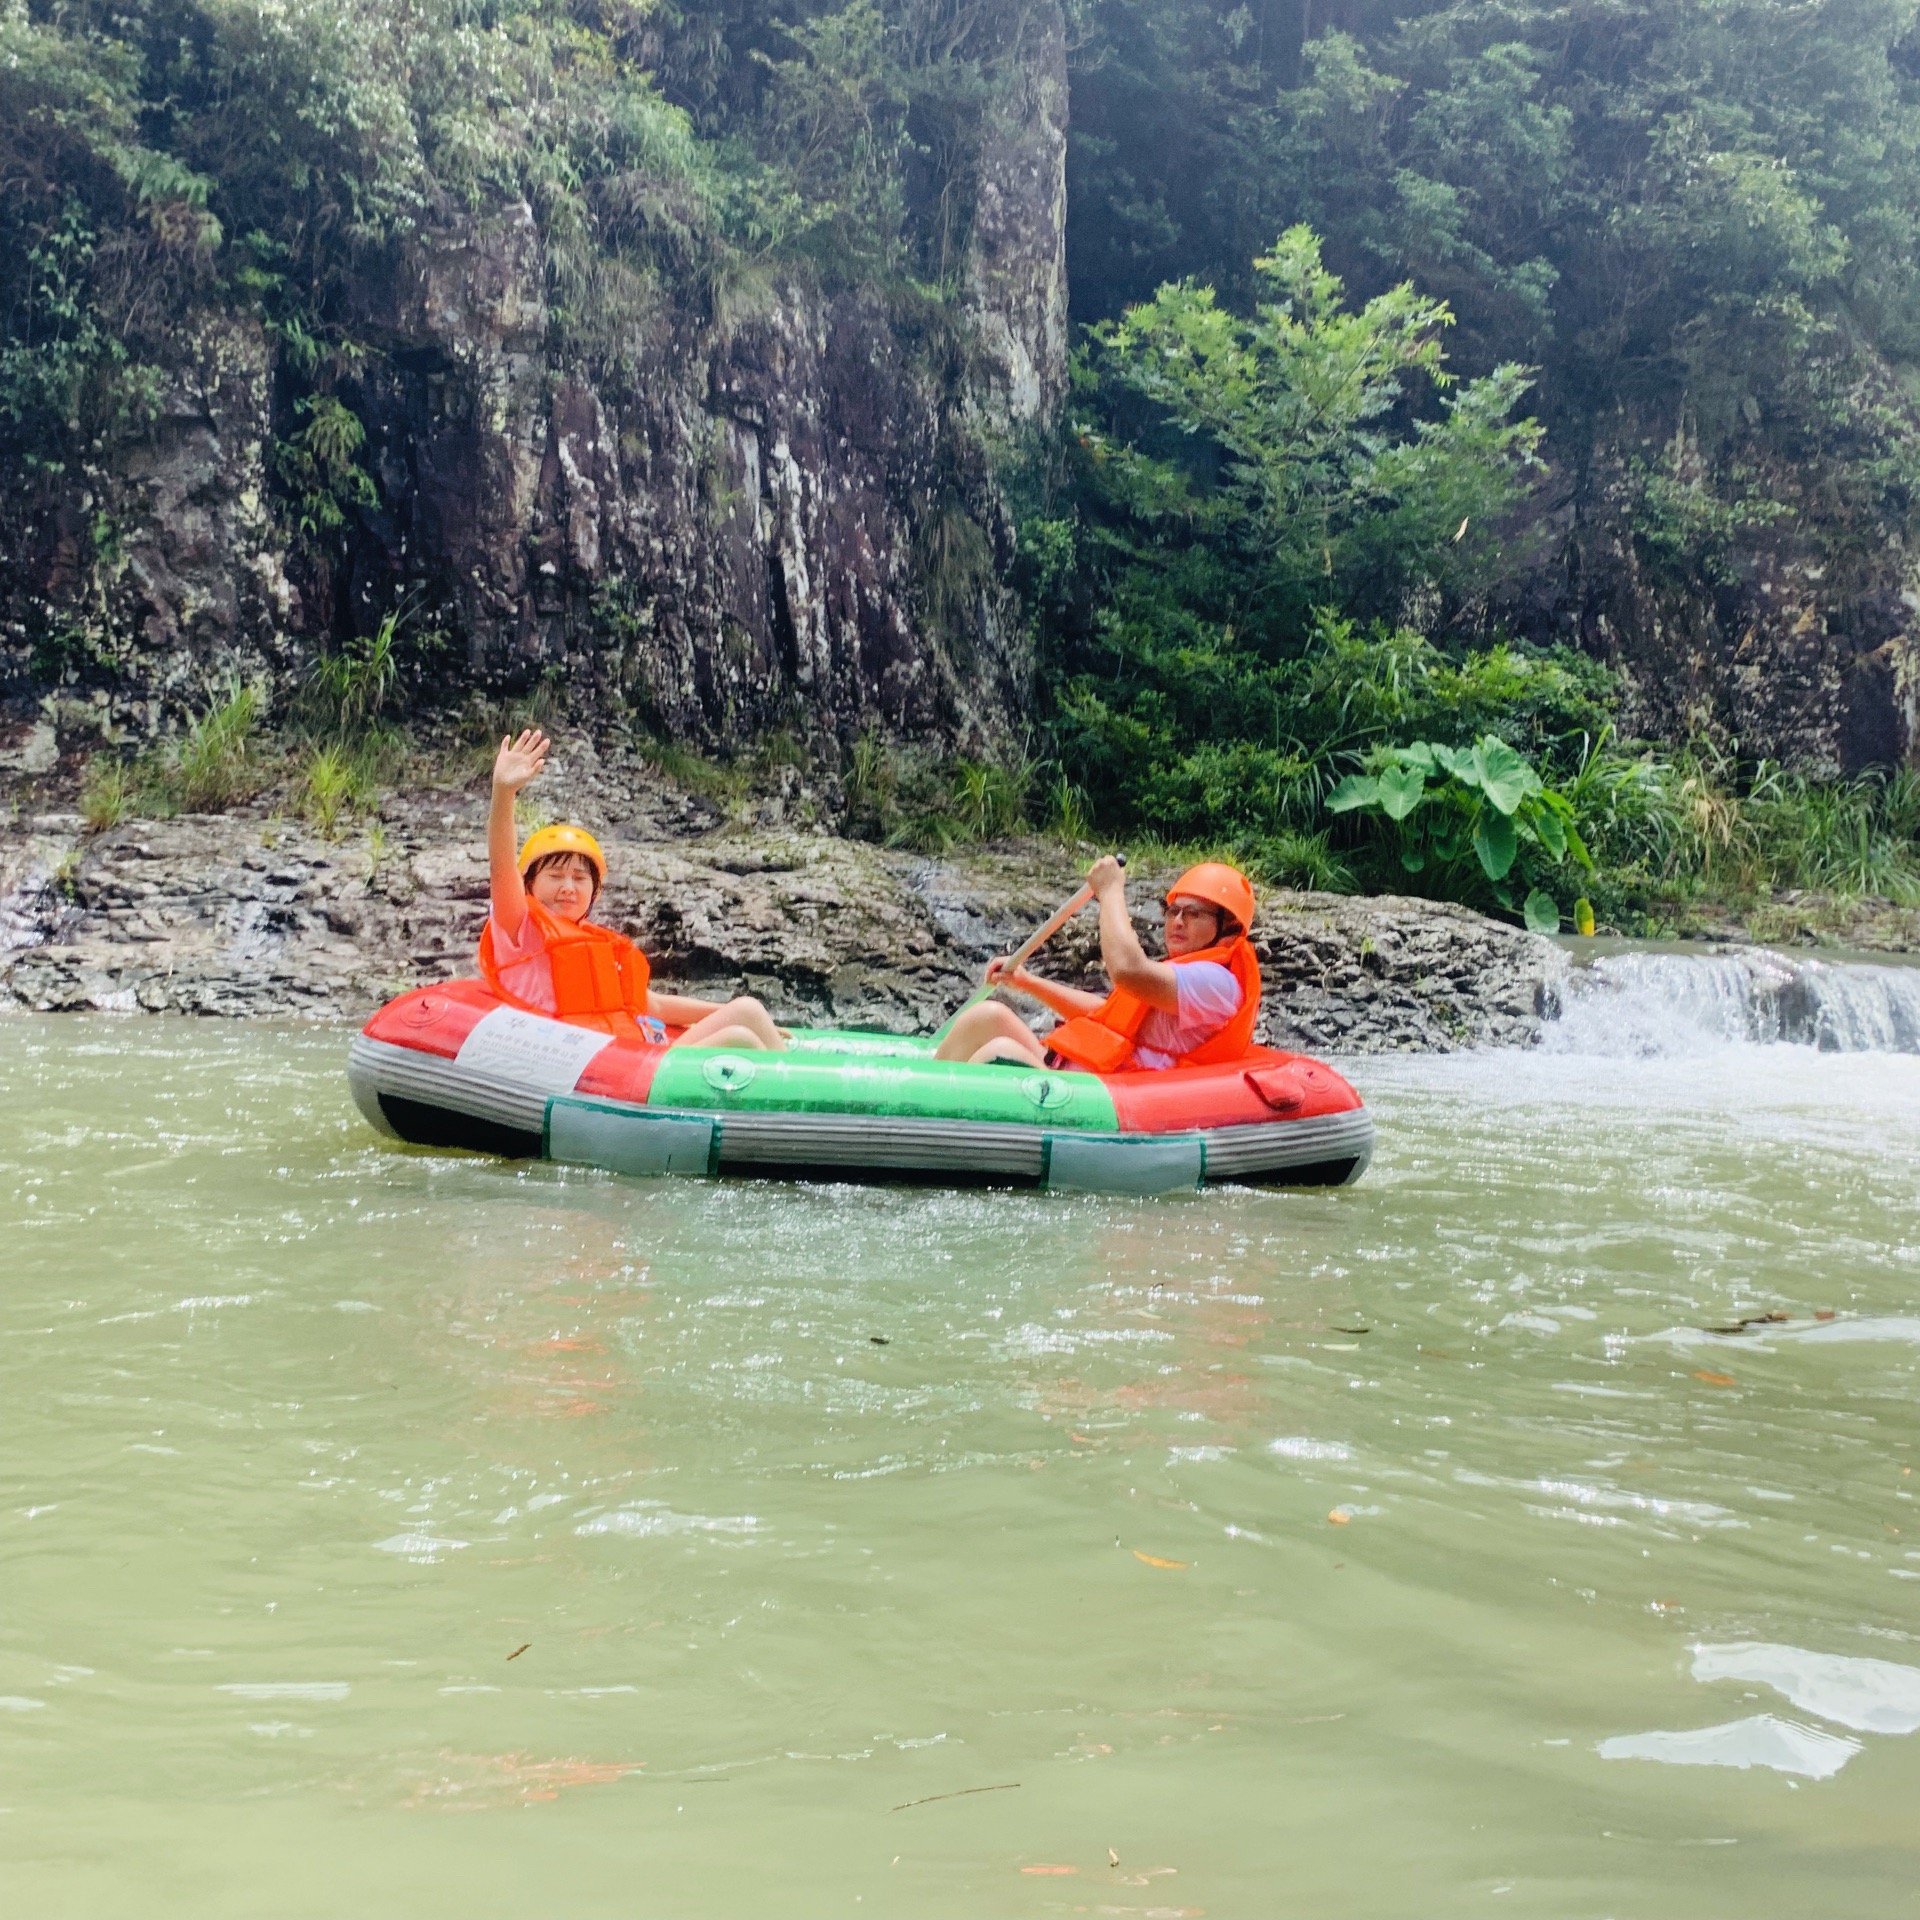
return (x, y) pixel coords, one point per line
(546, 1055)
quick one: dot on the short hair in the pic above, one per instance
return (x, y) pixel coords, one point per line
(536, 867)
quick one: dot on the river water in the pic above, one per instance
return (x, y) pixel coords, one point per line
(406, 1534)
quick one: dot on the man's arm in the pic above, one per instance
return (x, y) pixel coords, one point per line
(1154, 981)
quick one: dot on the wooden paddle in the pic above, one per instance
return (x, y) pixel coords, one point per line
(1032, 945)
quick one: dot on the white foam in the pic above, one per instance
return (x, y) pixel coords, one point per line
(651, 1519)
(1759, 1741)
(286, 1689)
(1670, 1005)
(418, 1546)
(1870, 1696)
(1889, 1327)
(1530, 1322)
(1300, 1447)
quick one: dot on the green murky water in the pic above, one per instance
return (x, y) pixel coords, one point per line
(399, 1534)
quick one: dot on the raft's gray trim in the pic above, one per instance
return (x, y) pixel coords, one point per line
(1248, 1152)
(363, 1080)
(882, 1140)
(375, 1067)
(624, 1139)
(1245, 1153)
(1125, 1163)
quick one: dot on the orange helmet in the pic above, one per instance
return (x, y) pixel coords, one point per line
(1219, 886)
(563, 839)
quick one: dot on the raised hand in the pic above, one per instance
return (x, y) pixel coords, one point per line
(1106, 874)
(520, 760)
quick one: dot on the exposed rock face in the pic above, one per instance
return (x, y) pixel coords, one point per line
(193, 582)
(714, 509)
(240, 915)
(1017, 266)
(1805, 650)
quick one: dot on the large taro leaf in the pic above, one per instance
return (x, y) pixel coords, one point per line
(1400, 791)
(1552, 832)
(1495, 842)
(1542, 915)
(1356, 790)
(1503, 776)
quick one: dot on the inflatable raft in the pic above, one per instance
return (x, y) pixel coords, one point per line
(451, 1066)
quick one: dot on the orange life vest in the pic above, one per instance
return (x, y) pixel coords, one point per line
(1102, 1041)
(599, 976)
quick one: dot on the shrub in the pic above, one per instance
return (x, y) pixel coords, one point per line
(107, 792)
(1470, 824)
(348, 690)
(333, 787)
(214, 763)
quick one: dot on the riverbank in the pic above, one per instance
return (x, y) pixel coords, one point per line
(253, 913)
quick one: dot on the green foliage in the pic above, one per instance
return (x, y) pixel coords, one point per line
(1474, 824)
(341, 741)
(65, 374)
(1703, 213)
(107, 792)
(333, 785)
(215, 761)
(692, 772)
(1219, 553)
(907, 798)
(865, 121)
(172, 155)
(1307, 490)
(1669, 832)
(319, 465)
(349, 689)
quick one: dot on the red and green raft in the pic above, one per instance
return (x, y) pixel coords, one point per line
(450, 1066)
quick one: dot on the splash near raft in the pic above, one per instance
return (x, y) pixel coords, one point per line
(455, 1066)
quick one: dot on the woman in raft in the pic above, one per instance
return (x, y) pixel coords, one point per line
(1196, 1008)
(540, 952)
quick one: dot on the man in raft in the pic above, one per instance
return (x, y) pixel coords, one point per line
(541, 953)
(1195, 1008)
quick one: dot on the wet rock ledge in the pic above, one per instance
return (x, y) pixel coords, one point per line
(254, 915)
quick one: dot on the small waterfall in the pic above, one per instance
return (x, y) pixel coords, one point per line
(1648, 1005)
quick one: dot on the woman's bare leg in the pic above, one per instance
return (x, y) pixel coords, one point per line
(984, 1025)
(740, 1023)
(741, 1039)
(1028, 1052)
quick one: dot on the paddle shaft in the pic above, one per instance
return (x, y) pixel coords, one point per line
(1032, 945)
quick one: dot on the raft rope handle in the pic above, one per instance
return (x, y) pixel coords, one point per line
(1034, 942)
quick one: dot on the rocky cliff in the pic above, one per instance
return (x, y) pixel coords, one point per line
(1794, 638)
(250, 914)
(712, 498)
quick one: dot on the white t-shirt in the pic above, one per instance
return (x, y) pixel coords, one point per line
(1209, 997)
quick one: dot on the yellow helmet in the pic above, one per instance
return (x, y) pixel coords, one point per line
(564, 839)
